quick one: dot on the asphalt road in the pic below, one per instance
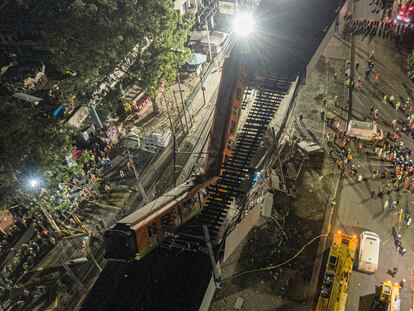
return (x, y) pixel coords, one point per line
(356, 210)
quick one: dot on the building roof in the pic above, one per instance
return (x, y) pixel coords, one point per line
(198, 35)
(27, 98)
(216, 38)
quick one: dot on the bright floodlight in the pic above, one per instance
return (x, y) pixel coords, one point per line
(243, 24)
(33, 182)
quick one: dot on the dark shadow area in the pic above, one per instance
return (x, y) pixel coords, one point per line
(288, 33)
(161, 281)
(366, 303)
(262, 249)
(287, 306)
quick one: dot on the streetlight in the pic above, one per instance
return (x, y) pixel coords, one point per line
(243, 24)
(34, 182)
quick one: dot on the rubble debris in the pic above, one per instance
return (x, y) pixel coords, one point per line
(239, 303)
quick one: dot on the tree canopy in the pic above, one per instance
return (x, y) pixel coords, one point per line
(32, 145)
(410, 59)
(90, 37)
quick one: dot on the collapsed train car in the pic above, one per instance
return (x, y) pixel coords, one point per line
(135, 235)
(223, 131)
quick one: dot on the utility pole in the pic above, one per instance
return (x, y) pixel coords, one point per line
(174, 144)
(202, 88)
(208, 41)
(179, 115)
(141, 188)
(184, 104)
(216, 275)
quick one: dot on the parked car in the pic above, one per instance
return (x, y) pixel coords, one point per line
(369, 252)
(367, 131)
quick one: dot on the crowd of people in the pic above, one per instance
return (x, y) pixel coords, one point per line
(387, 27)
(20, 223)
(24, 257)
(16, 261)
(399, 176)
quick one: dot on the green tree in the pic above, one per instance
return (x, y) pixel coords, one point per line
(167, 47)
(32, 144)
(410, 59)
(91, 36)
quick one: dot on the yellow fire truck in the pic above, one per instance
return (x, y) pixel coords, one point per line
(338, 271)
(389, 297)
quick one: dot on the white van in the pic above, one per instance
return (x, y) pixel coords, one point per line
(362, 130)
(369, 252)
(217, 40)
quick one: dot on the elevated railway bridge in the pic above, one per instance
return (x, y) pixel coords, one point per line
(174, 271)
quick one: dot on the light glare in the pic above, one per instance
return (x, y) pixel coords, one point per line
(243, 24)
(33, 182)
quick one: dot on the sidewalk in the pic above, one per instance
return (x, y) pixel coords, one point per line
(322, 84)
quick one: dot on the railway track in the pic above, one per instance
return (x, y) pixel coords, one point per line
(271, 90)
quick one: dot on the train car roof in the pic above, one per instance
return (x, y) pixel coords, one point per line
(147, 210)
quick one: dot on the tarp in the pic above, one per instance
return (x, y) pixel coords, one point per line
(196, 59)
(59, 111)
(78, 117)
(28, 98)
(216, 38)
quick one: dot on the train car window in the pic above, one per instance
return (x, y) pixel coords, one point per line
(152, 230)
(196, 202)
(185, 208)
(165, 220)
(239, 93)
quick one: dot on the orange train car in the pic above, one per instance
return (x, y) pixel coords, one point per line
(135, 235)
(226, 115)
